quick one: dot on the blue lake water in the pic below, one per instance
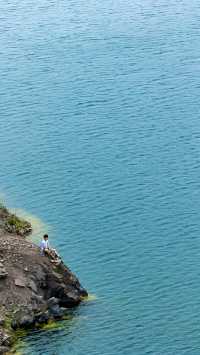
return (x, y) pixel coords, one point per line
(100, 138)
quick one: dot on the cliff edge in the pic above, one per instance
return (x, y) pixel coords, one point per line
(33, 290)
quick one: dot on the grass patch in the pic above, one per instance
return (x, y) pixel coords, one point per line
(17, 222)
(17, 225)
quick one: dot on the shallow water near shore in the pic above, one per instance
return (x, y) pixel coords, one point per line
(100, 139)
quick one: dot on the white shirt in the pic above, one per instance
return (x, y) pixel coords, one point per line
(44, 245)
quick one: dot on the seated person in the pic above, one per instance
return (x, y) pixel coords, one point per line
(46, 250)
(44, 245)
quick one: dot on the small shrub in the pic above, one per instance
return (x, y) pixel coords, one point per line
(16, 225)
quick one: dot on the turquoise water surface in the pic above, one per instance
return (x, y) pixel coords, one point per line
(100, 139)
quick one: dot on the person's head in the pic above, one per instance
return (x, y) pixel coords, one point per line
(45, 236)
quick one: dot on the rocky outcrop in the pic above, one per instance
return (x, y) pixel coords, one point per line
(33, 290)
(10, 223)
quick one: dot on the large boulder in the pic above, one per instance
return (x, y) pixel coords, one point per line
(54, 309)
(23, 318)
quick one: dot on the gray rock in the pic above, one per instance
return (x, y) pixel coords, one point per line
(26, 321)
(33, 286)
(6, 340)
(65, 311)
(2, 321)
(42, 317)
(3, 273)
(4, 349)
(20, 282)
(14, 324)
(56, 312)
(23, 318)
(53, 301)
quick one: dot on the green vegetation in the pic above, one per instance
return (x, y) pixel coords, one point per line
(16, 336)
(13, 224)
(17, 225)
(13, 220)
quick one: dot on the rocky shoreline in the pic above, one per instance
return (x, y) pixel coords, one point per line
(33, 290)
